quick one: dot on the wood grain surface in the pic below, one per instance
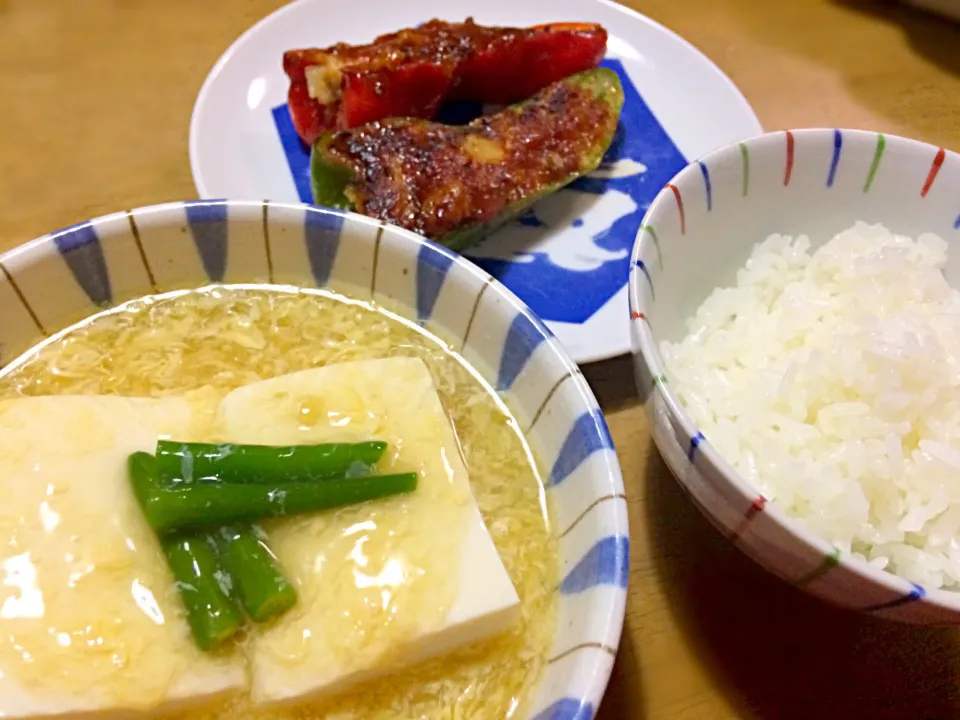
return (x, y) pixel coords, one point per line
(95, 102)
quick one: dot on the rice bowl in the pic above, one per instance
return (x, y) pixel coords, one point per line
(829, 380)
(868, 527)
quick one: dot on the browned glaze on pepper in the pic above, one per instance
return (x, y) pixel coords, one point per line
(436, 42)
(434, 179)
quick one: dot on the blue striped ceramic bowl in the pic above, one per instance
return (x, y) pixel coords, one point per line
(60, 278)
(698, 231)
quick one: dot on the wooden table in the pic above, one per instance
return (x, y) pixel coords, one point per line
(95, 102)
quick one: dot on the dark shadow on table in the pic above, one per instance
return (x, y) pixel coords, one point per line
(624, 698)
(933, 37)
(612, 382)
(848, 47)
(780, 653)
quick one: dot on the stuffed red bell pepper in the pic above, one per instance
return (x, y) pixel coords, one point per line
(411, 72)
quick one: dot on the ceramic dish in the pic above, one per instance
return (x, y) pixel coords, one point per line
(568, 260)
(697, 233)
(59, 278)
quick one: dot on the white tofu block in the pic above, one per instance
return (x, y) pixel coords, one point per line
(89, 621)
(384, 584)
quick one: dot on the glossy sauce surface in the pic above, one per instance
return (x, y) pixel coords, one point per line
(434, 179)
(372, 578)
(86, 604)
(224, 338)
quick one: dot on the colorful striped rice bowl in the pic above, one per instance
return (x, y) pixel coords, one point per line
(796, 334)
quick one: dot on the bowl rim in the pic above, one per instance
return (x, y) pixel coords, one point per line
(645, 346)
(612, 605)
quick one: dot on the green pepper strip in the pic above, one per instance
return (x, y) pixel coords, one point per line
(202, 505)
(263, 590)
(232, 463)
(212, 614)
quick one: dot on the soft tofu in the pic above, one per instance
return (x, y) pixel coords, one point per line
(385, 584)
(87, 597)
(85, 592)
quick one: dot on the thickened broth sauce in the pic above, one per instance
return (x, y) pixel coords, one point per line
(205, 343)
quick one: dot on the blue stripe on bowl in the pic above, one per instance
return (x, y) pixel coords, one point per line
(80, 248)
(694, 445)
(207, 220)
(606, 563)
(706, 184)
(433, 264)
(642, 266)
(321, 231)
(523, 337)
(567, 709)
(837, 146)
(915, 594)
(588, 435)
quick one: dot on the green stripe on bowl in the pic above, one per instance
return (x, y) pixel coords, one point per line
(745, 154)
(877, 156)
(649, 229)
(828, 563)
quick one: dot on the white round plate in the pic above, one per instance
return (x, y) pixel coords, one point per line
(568, 259)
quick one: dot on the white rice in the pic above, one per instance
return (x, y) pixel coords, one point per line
(831, 381)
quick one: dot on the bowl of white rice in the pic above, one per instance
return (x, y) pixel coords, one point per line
(795, 311)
